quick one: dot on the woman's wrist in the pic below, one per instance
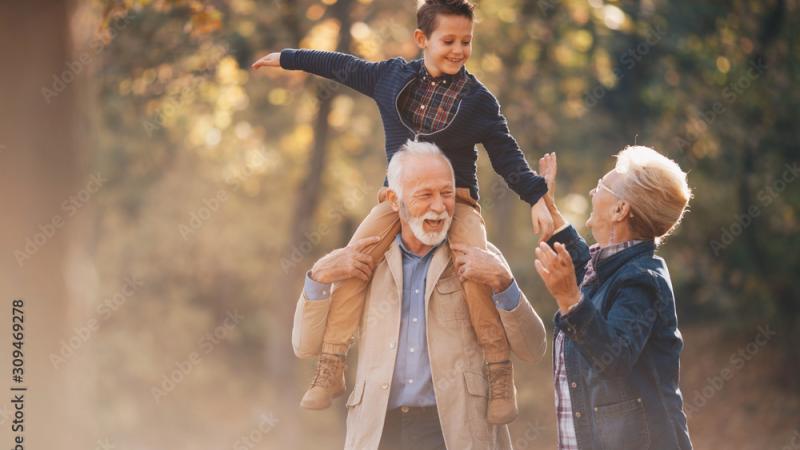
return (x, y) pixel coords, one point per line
(568, 303)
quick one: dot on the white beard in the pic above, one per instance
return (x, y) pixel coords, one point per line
(417, 225)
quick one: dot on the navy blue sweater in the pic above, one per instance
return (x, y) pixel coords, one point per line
(477, 119)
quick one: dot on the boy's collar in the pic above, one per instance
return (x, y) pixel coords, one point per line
(426, 76)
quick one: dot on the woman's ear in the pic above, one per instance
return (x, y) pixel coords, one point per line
(621, 211)
(420, 38)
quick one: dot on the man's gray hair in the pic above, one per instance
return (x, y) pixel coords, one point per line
(394, 173)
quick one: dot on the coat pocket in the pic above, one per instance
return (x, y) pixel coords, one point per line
(356, 395)
(478, 396)
(449, 303)
(622, 426)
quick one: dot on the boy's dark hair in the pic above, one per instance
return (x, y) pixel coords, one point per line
(430, 9)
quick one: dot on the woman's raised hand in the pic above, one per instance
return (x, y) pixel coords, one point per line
(548, 167)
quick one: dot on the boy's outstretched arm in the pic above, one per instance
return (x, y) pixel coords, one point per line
(509, 162)
(349, 70)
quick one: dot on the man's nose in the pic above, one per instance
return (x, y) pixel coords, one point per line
(437, 204)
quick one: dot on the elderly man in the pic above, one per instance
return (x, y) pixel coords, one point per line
(420, 380)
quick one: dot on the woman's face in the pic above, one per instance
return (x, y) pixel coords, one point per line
(604, 206)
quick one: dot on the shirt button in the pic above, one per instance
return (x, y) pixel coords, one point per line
(416, 291)
(411, 349)
(433, 83)
(421, 106)
(384, 386)
(410, 380)
(414, 319)
(578, 414)
(574, 385)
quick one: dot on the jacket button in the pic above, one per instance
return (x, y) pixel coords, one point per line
(578, 414)
(384, 386)
(574, 385)
(391, 345)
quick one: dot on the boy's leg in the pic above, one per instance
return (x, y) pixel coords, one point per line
(468, 228)
(347, 306)
(347, 297)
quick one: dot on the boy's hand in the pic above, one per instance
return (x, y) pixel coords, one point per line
(271, 60)
(542, 220)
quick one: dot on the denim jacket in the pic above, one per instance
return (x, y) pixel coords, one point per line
(622, 351)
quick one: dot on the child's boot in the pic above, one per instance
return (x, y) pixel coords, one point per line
(328, 382)
(502, 407)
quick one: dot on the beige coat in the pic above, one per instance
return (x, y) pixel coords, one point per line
(456, 359)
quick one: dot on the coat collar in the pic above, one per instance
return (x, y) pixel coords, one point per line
(607, 266)
(439, 262)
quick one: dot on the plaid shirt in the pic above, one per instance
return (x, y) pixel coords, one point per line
(428, 104)
(567, 440)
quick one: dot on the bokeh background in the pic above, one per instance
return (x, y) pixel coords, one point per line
(161, 202)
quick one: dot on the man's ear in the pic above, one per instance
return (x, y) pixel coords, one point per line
(420, 38)
(392, 197)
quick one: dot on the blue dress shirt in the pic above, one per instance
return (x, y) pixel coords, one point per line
(412, 384)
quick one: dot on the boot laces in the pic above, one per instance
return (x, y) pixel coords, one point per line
(327, 366)
(499, 381)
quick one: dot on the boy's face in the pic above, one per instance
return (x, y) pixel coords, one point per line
(449, 46)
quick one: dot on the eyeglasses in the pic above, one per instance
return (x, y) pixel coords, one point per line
(601, 185)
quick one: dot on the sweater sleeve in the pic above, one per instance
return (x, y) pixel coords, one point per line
(349, 70)
(507, 158)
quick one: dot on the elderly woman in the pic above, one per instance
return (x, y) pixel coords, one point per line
(617, 345)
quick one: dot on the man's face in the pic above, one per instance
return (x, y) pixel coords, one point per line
(449, 46)
(428, 199)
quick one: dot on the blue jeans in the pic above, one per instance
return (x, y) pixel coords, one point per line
(412, 429)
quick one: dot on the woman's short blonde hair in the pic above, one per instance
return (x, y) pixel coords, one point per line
(656, 189)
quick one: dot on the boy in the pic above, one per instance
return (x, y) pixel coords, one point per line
(435, 100)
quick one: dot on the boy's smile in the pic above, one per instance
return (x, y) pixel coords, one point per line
(449, 46)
